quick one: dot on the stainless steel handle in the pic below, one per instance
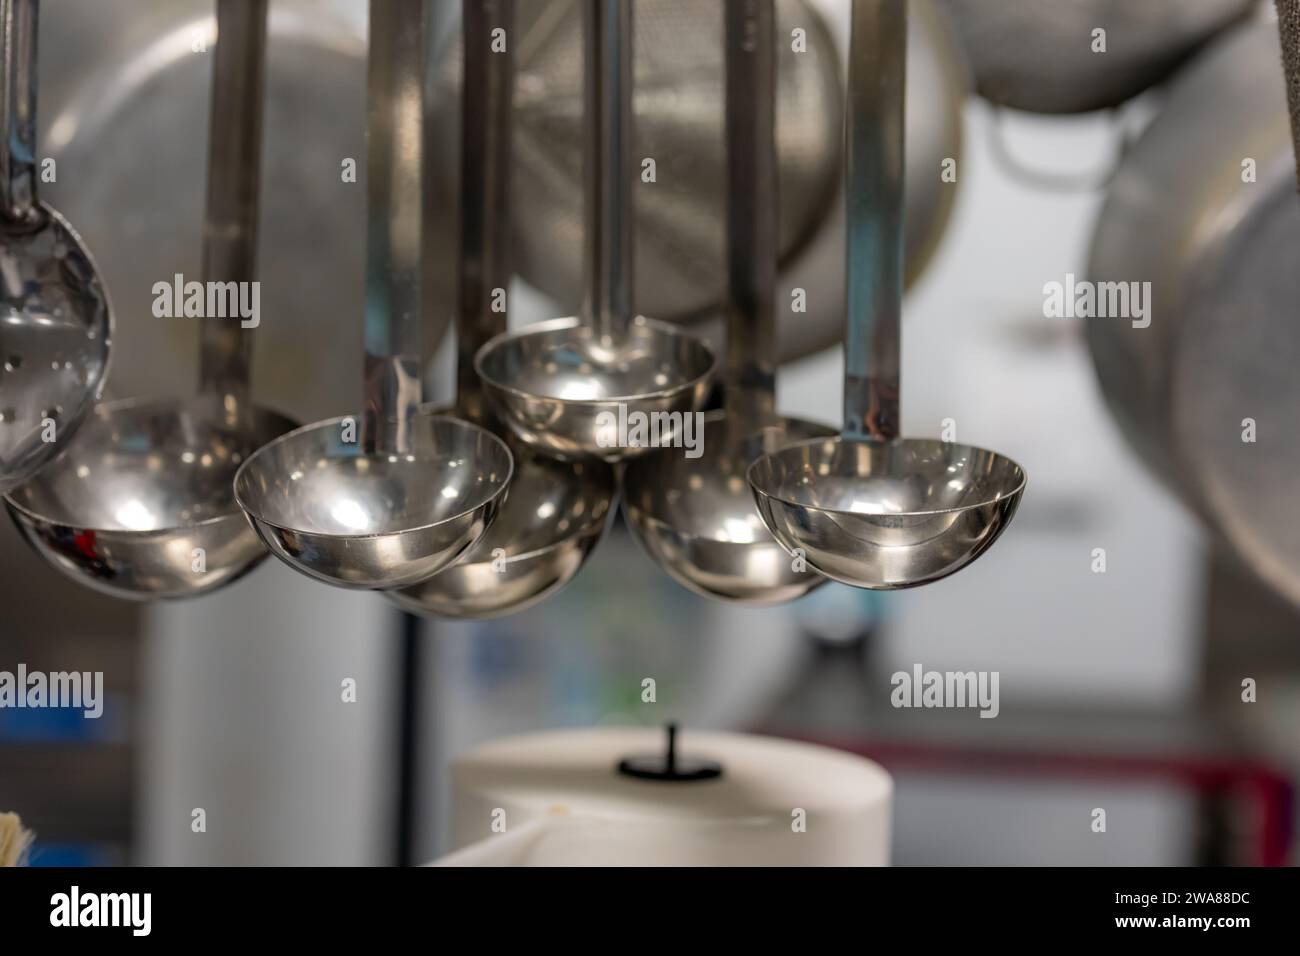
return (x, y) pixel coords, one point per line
(234, 178)
(752, 209)
(394, 193)
(18, 110)
(607, 148)
(874, 197)
(486, 100)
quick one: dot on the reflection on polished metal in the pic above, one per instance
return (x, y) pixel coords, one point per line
(1027, 56)
(145, 485)
(680, 261)
(140, 506)
(554, 512)
(868, 508)
(887, 514)
(680, 244)
(116, 74)
(416, 491)
(1221, 254)
(55, 319)
(360, 519)
(557, 384)
(554, 516)
(697, 518)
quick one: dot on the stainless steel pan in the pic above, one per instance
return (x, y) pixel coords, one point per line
(1038, 55)
(1223, 344)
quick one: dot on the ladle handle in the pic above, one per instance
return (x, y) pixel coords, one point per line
(234, 178)
(752, 209)
(394, 194)
(874, 191)
(607, 148)
(484, 267)
(18, 174)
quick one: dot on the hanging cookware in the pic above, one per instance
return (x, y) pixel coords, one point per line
(565, 387)
(55, 317)
(554, 512)
(125, 87)
(679, 237)
(1046, 56)
(405, 495)
(695, 515)
(1202, 223)
(869, 508)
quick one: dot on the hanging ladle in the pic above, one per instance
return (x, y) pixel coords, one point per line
(566, 386)
(140, 505)
(416, 491)
(555, 511)
(55, 317)
(696, 518)
(868, 508)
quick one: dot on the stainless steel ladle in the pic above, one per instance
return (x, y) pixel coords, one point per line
(554, 511)
(55, 318)
(416, 491)
(140, 505)
(868, 508)
(697, 518)
(562, 386)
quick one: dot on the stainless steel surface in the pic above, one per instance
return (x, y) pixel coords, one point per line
(868, 508)
(234, 188)
(146, 484)
(554, 515)
(414, 492)
(140, 506)
(352, 519)
(680, 253)
(1038, 56)
(554, 512)
(1219, 254)
(887, 515)
(696, 517)
(557, 384)
(117, 74)
(1288, 17)
(55, 317)
(698, 521)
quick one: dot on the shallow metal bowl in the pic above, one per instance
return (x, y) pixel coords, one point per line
(141, 505)
(697, 520)
(886, 515)
(563, 392)
(553, 516)
(374, 521)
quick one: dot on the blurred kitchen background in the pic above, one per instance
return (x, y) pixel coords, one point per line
(1119, 690)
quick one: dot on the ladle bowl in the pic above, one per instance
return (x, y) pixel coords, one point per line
(55, 325)
(565, 393)
(141, 505)
(697, 520)
(375, 520)
(553, 516)
(886, 515)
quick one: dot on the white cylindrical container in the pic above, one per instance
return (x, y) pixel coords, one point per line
(558, 799)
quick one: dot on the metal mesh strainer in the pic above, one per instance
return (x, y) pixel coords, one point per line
(1288, 12)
